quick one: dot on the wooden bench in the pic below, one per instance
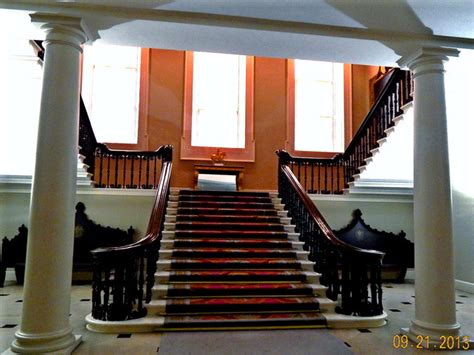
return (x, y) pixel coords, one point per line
(399, 251)
(88, 235)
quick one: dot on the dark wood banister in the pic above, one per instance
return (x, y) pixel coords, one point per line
(368, 118)
(352, 275)
(323, 175)
(320, 220)
(157, 214)
(123, 276)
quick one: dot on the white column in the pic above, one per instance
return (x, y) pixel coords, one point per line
(435, 306)
(46, 299)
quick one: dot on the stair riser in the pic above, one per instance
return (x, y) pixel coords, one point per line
(236, 278)
(223, 193)
(225, 234)
(190, 226)
(236, 205)
(216, 308)
(235, 293)
(222, 244)
(178, 254)
(203, 198)
(223, 219)
(225, 211)
(230, 266)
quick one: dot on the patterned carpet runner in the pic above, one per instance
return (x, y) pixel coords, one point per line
(228, 261)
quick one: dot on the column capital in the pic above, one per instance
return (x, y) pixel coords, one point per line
(67, 30)
(427, 59)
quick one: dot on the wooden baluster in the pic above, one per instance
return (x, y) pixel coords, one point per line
(141, 282)
(140, 158)
(305, 175)
(125, 158)
(147, 180)
(332, 177)
(325, 178)
(389, 111)
(101, 159)
(338, 175)
(299, 171)
(312, 177)
(106, 289)
(154, 173)
(132, 172)
(319, 177)
(108, 169)
(397, 99)
(116, 158)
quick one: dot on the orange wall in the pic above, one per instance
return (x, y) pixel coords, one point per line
(165, 114)
(361, 75)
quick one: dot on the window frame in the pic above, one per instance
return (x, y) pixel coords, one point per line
(290, 114)
(190, 152)
(143, 95)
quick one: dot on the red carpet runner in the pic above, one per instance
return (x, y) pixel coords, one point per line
(228, 263)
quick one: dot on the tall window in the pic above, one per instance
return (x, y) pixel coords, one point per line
(219, 84)
(218, 106)
(111, 90)
(318, 106)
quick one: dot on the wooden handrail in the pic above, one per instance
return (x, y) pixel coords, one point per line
(104, 148)
(127, 272)
(321, 221)
(156, 217)
(394, 75)
(332, 175)
(347, 271)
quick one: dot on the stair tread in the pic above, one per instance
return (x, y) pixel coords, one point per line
(237, 286)
(236, 241)
(231, 260)
(223, 198)
(241, 272)
(223, 193)
(223, 216)
(224, 231)
(253, 211)
(211, 224)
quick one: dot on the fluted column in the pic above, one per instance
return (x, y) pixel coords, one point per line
(435, 306)
(46, 300)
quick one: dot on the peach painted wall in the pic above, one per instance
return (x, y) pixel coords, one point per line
(361, 75)
(165, 114)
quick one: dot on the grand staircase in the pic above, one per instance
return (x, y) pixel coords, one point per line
(231, 260)
(228, 261)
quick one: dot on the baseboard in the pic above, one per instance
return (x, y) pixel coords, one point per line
(464, 286)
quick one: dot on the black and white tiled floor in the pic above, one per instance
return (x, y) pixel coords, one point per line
(398, 303)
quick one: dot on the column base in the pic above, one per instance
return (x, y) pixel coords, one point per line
(50, 344)
(439, 337)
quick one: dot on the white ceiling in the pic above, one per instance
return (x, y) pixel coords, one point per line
(374, 32)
